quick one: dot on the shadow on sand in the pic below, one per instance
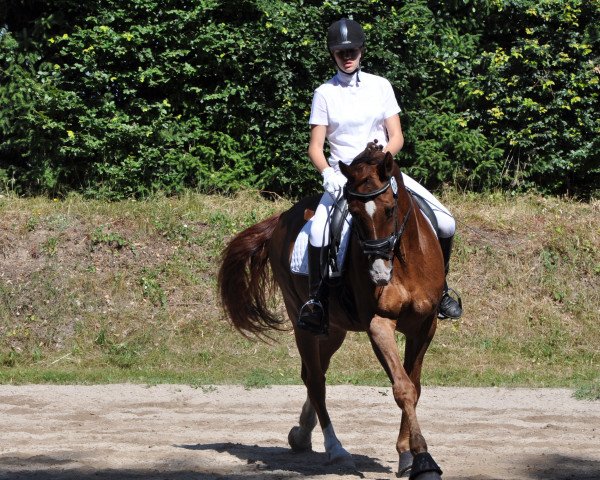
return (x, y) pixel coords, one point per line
(269, 459)
(260, 463)
(281, 463)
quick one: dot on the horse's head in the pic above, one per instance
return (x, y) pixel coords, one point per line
(372, 194)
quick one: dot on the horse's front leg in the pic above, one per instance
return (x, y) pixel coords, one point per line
(414, 353)
(316, 355)
(406, 394)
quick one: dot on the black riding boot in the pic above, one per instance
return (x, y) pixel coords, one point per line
(313, 315)
(449, 307)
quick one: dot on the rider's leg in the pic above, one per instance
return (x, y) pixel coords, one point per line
(313, 314)
(446, 223)
(449, 307)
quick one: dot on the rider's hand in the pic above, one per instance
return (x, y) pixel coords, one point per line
(333, 182)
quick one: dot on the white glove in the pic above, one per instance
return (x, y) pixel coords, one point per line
(333, 182)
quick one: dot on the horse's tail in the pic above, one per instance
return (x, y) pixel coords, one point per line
(245, 279)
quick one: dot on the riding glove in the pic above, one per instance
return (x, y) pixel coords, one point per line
(333, 182)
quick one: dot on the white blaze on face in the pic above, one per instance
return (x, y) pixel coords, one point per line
(370, 207)
(381, 273)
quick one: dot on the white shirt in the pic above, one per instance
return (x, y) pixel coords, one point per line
(354, 113)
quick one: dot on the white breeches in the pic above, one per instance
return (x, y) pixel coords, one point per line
(319, 230)
(445, 220)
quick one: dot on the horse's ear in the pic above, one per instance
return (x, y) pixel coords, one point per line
(386, 167)
(388, 161)
(344, 169)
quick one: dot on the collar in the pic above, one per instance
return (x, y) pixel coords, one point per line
(349, 79)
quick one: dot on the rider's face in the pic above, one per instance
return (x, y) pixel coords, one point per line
(347, 60)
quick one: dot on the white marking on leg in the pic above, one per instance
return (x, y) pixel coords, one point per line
(331, 440)
(333, 447)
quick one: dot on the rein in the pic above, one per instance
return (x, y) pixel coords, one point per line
(384, 247)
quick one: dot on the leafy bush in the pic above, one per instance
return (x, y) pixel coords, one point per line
(536, 87)
(119, 99)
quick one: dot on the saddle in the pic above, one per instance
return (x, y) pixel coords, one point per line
(426, 210)
(333, 255)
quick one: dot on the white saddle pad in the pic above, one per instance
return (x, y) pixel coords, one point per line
(299, 260)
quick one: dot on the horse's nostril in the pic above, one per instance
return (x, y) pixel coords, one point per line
(380, 272)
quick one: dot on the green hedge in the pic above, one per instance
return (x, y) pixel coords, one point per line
(123, 98)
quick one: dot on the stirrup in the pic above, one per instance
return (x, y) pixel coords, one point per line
(312, 318)
(450, 298)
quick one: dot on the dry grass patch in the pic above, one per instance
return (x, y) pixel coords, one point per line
(94, 291)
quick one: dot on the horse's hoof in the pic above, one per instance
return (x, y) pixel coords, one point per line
(427, 476)
(298, 441)
(405, 464)
(424, 468)
(340, 456)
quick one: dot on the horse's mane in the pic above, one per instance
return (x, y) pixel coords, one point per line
(372, 154)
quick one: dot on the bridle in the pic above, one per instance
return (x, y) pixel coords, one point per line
(384, 247)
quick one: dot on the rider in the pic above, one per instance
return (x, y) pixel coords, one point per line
(350, 110)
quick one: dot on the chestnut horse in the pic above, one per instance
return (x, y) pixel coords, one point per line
(394, 277)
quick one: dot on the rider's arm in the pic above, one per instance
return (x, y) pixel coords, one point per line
(395, 136)
(315, 147)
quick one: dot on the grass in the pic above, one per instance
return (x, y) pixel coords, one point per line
(588, 391)
(96, 292)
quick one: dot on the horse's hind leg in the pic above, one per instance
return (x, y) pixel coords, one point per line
(300, 437)
(316, 355)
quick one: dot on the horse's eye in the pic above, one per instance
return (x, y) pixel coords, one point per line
(389, 211)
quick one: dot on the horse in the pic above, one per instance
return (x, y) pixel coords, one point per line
(393, 282)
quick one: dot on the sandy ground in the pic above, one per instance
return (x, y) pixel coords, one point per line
(227, 432)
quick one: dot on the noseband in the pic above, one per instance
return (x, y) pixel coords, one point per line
(384, 247)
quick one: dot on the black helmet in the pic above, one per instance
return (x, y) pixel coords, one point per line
(345, 34)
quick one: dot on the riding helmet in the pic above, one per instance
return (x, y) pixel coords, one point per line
(345, 34)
